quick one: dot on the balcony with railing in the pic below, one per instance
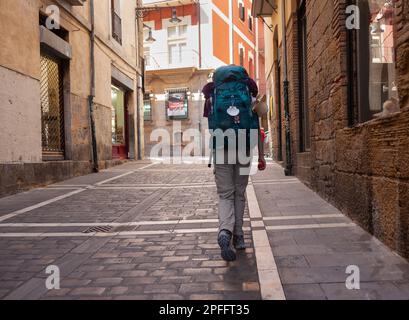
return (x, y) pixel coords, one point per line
(188, 58)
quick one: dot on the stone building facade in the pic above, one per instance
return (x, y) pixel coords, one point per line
(67, 66)
(348, 105)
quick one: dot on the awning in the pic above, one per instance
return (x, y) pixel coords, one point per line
(263, 8)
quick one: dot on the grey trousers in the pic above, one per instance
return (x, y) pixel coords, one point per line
(231, 188)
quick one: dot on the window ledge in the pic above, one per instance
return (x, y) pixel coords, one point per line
(52, 42)
(380, 120)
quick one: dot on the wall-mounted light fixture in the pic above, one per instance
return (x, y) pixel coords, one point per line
(174, 18)
(150, 38)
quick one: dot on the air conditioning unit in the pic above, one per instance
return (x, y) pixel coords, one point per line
(75, 2)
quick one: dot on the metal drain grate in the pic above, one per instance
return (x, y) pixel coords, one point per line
(99, 229)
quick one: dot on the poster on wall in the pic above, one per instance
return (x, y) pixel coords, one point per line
(177, 105)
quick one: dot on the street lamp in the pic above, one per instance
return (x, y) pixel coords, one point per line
(174, 18)
(150, 38)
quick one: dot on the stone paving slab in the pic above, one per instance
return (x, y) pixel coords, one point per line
(88, 206)
(305, 221)
(131, 165)
(186, 204)
(290, 200)
(179, 167)
(144, 178)
(22, 200)
(23, 259)
(312, 261)
(89, 179)
(169, 174)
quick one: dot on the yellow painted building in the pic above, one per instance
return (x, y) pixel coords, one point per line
(50, 51)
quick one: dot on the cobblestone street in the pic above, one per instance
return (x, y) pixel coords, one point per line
(148, 231)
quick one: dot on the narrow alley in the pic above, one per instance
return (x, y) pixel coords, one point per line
(117, 118)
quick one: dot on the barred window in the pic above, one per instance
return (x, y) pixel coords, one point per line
(52, 108)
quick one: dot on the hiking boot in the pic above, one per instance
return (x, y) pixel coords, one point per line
(239, 243)
(224, 240)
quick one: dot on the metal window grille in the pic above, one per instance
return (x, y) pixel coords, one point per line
(52, 107)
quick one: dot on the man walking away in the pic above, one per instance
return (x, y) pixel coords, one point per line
(229, 107)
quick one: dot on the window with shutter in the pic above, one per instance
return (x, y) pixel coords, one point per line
(242, 12)
(241, 56)
(116, 20)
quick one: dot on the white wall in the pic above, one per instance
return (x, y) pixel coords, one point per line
(159, 55)
(20, 119)
(159, 49)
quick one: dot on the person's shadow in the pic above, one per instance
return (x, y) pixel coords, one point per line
(239, 275)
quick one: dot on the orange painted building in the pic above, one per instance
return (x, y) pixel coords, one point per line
(186, 41)
(217, 33)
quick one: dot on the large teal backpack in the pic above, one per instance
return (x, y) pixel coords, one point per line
(230, 97)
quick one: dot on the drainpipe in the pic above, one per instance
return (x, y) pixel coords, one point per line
(199, 23)
(138, 91)
(138, 125)
(289, 164)
(231, 20)
(92, 93)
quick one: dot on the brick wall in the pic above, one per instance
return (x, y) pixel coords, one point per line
(327, 88)
(363, 170)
